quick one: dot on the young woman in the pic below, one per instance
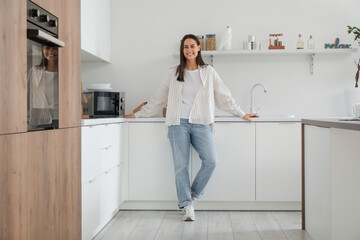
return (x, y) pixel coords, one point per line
(43, 90)
(191, 91)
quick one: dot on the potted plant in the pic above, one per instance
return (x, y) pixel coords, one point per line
(352, 95)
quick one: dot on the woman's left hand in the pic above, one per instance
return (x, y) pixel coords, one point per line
(248, 116)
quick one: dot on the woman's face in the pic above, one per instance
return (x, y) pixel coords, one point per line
(50, 53)
(191, 49)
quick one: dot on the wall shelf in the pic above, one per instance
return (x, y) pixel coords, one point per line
(310, 53)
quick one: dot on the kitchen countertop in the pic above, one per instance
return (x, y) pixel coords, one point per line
(317, 121)
(333, 123)
(98, 121)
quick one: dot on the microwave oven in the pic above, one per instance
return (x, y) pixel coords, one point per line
(103, 104)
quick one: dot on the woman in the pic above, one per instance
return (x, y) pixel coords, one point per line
(43, 89)
(190, 92)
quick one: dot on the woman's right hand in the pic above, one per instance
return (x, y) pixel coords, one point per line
(129, 116)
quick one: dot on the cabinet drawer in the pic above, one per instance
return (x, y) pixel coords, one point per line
(100, 149)
(109, 194)
(90, 161)
(109, 157)
(101, 136)
(90, 209)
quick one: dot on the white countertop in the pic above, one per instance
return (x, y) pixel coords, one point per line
(97, 121)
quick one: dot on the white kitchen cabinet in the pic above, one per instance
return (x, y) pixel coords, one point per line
(102, 175)
(332, 192)
(90, 208)
(151, 168)
(101, 198)
(278, 161)
(110, 193)
(96, 30)
(234, 176)
(317, 181)
(100, 149)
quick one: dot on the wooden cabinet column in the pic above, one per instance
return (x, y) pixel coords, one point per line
(13, 187)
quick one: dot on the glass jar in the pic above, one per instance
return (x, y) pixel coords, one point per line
(210, 42)
(201, 39)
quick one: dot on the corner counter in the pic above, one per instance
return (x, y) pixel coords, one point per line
(340, 123)
(330, 178)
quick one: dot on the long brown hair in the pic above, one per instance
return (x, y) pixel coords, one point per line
(199, 61)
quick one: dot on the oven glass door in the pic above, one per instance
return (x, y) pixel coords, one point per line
(43, 86)
(106, 104)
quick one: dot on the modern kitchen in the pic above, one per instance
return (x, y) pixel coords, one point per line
(73, 167)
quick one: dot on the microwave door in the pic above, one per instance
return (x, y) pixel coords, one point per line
(104, 104)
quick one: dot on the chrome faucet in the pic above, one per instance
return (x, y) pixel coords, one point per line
(252, 108)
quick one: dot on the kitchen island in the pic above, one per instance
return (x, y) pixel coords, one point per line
(331, 179)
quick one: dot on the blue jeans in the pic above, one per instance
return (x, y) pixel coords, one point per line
(201, 138)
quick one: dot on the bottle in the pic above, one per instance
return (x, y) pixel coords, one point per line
(300, 43)
(311, 43)
(225, 41)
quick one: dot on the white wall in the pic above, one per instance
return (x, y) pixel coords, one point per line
(145, 38)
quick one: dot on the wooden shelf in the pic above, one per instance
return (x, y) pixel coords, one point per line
(277, 52)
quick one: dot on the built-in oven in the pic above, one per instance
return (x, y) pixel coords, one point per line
(42, 68)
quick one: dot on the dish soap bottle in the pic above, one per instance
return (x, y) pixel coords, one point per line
(311, 43)
(225, 42)
(300, 43)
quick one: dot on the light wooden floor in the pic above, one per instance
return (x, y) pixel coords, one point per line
(211, 225)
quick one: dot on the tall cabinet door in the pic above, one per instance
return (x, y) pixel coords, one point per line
(70, 65)
(151, 168)
(13, 67)
(69, 165)
(43, 186)
(278, 161)
(13, 188)
(234, 176)
(54, 175)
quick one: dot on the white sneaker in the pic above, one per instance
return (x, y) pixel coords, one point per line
(194, 199)
(189, 213)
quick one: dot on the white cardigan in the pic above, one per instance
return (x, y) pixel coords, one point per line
(212, 91)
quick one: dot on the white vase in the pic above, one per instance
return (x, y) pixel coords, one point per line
(352, 96)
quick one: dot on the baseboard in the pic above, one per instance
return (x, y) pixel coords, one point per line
(213, 205)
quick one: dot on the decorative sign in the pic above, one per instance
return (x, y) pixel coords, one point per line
(336, 45)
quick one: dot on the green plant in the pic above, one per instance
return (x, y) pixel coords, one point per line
(355, 31)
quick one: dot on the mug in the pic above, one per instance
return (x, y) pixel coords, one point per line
(356, 109)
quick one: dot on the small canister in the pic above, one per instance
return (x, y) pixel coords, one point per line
(201, 39)
(210, 42)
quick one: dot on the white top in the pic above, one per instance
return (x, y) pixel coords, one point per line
(51, 88)
(191, 87)
(212, 91)
(51, 92)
